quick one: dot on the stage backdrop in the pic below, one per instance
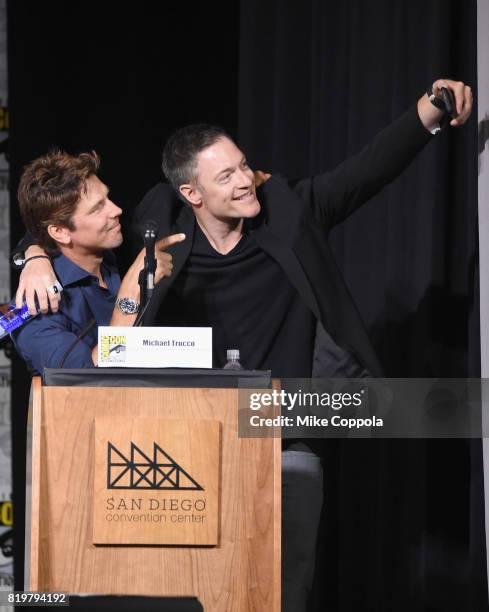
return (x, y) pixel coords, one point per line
(483, 166)
(317, 81)
(6, 510)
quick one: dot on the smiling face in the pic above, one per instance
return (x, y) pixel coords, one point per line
(224, 184)
(95, 223)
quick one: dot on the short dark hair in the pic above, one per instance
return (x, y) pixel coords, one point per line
(181, 150)
(49, 190)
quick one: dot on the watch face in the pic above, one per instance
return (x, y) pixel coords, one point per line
(128, 305)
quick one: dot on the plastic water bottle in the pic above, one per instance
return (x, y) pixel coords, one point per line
(14, 318)
(233, 360)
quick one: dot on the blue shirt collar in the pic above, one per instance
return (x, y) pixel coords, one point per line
(69, 273)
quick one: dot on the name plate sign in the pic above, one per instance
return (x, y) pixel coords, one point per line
(156, 481)
(155, 347)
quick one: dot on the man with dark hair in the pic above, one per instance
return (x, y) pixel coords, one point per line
(181, 150)
(258, 269)
(67, 210)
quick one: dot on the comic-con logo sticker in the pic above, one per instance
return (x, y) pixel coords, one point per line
(113, 349)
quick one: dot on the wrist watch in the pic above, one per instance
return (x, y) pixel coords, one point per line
(127, 306)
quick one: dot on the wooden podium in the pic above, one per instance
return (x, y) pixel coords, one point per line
(150, 491)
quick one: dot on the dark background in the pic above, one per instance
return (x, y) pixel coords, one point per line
(302, 85)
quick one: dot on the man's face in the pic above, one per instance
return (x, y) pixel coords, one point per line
(96, 220)
(224, 182)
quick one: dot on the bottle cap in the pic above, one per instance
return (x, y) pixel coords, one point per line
(232, 354)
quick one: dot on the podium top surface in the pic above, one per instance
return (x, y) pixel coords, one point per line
(157, 377)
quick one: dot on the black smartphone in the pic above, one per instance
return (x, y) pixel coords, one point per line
(449, 102)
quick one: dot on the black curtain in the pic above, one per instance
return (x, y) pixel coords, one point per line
(403, 520)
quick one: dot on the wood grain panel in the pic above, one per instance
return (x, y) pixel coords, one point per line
(240, 574)
(156, 481)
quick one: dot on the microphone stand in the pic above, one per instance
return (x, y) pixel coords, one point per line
(146, 277)
(149, 262)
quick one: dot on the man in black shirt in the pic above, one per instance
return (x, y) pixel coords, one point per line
(256, 266)
(258, 271)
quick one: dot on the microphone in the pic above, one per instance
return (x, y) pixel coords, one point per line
(150, 234)
(147, 274)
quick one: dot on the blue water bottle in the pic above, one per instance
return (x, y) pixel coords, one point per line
(14, 318)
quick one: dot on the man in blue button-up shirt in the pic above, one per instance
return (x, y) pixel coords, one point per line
(67, 209)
